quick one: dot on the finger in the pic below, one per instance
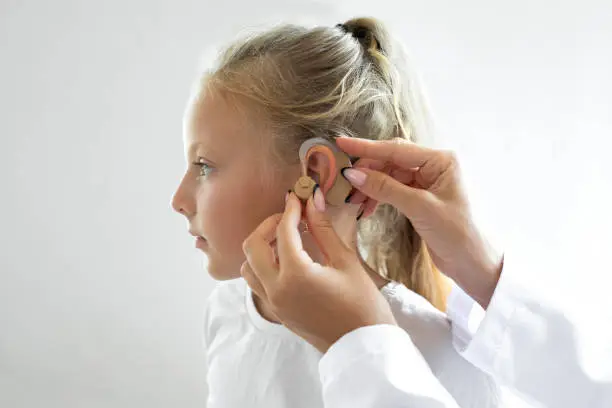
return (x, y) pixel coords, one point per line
(259, 252)
(266, 231)
(385, 189)
(400, 152)
(370, 164)
(406, 177)
(369, 204)
(369, 207)
(320, 226)
(252, 280)
(288, 240)
(356, 197)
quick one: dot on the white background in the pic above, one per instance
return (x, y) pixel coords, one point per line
(101, 290)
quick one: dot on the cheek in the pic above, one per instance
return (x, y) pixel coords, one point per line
(220, 210)
(231, 210)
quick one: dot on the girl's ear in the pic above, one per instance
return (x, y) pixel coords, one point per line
(324, 165)
(321, 167)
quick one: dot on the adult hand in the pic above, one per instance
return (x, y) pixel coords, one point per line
(425, 185)
(320, 303)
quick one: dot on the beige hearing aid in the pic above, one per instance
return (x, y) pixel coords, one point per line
(337, 188)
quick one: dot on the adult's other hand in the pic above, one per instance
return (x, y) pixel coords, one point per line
(425, 185)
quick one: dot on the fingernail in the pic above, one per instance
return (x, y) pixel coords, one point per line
(356, 177)
(287, 195)
(348, 197)
(319, 200)
(360, 215)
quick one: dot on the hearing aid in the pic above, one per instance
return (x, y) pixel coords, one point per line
(337, 188)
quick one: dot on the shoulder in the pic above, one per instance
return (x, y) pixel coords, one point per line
(226, 294)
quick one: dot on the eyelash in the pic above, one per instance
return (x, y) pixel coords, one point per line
(203, 167)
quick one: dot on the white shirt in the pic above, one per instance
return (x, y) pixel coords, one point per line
(525, 344)
(256, 363)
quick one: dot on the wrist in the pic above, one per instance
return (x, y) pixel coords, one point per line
(483, 280)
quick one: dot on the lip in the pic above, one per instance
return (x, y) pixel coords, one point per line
(201, 243)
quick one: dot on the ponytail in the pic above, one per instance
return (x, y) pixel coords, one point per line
(393, 247)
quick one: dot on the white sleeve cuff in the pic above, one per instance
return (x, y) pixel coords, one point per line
(482, 350)
(364, 340)
(465, 314)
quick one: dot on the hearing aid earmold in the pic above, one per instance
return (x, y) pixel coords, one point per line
(337, 188)
(304, 187)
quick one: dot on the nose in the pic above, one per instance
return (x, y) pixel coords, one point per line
(182, 201)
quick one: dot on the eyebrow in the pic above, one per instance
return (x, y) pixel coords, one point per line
(195, 147)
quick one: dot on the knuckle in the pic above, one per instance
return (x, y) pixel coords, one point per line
(247, 244)
(323, 225)
(396, 153)
(273, 221)
(381, 186)
(247, 276)
(244, 269)
(450, 156)
(450, 163)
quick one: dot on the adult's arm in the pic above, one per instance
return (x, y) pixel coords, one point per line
(550, 354)
(553, 355)
(379, 366)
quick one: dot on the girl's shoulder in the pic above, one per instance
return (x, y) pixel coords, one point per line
(225, 303)
(227, 294)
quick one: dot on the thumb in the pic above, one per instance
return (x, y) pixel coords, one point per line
(386, 189)
(338, 255)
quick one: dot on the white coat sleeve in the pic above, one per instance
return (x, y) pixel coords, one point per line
(379, 366)
(552, 358)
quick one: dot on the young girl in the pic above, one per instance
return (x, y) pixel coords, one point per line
(242, 131)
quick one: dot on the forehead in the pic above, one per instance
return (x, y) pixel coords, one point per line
(217, 125)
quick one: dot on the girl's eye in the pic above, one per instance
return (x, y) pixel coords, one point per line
(205, 169)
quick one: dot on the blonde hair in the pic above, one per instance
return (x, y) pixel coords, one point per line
(330, 81)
